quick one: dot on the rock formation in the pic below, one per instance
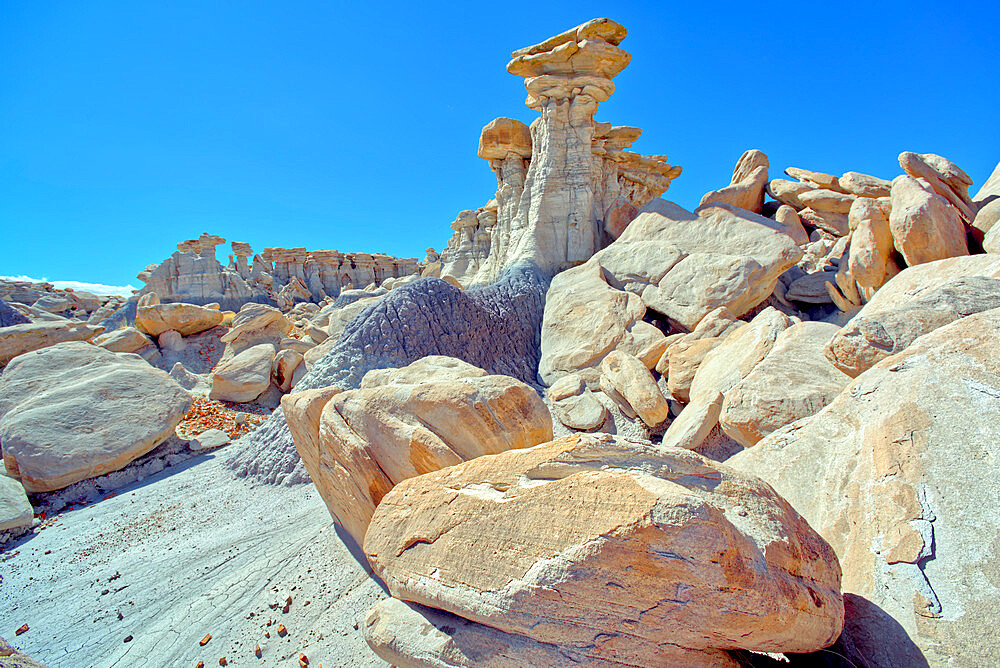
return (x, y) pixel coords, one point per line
(278, 276)
(566, 187)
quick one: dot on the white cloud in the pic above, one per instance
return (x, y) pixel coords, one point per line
(96, 288)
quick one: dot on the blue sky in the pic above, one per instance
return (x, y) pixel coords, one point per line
(126, 127)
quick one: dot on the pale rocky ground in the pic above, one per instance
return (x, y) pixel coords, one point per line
(186, 552)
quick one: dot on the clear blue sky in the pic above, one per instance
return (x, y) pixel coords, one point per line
(126, 127)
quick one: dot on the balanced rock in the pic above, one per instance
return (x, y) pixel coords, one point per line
(125, 340)
(945, 177)
(793, 381)
(433, 413)
(245, 376)
(715, 559)
(746, 188)
(74, 411)
(187, 319)
(893, 473)
(19, 339)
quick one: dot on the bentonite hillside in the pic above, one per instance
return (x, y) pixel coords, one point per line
(596, 429)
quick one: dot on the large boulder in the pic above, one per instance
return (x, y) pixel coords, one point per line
(433, 413)
(187, 319)
(245, 376)
(495, 328)
(913, 303)
(125, 340)
(715, 560)
(629, 383)
(746, 187)
(74, 411)
(793, 381)
(898, 476)
(19, 339)
(254, 325)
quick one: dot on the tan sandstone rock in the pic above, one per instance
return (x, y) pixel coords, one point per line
(716, 560)
(746, 188)
(945, 177)
(435, 412)
(245, 376)
(793, 381)
(15, 510)
(187, 319)
(925, 227)
(894, 475)
(871, 241)
(791, 224)
(125, 340)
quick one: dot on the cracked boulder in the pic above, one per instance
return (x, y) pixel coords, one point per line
(436, 412)
(618, 549)
(187, 319)
(898, 475)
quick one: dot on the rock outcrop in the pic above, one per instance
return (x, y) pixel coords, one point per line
(74, 411)
(566, 187)
(278, 276)
(893, 475)
(401, 423)
(716, 560)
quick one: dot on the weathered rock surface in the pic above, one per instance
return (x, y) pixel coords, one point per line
(793, 381)
(894, 475)
(718, 561)
(945, 177)
(74, 411)
(870, 255)
(433, 413)
(187, 319)
(409, 635)
(245, 376)
(925, 227)
(884, 328)
(15, 510)
(495, 328)
(19, 339)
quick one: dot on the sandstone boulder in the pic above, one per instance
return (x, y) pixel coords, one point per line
(793, 381)
(187, 319)
(684, 359)
(629, 383)
(882, 328)
(870, 255)
(255, 324)
(791, 224)
(864, 185)
(74, 411)
(15, 510)
(925, 227)
(245, 376)
(19, 339)
(286, 363)
(10, 316)
(435, 412)
(945, 177)
(716, 560)
(574, 405)
(893, 473)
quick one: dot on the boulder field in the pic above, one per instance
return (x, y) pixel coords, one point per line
(598, 428)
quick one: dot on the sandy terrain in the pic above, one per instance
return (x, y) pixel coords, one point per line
(140, 577)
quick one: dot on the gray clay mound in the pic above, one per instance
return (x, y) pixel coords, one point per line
(495, 327)
(9, 317)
